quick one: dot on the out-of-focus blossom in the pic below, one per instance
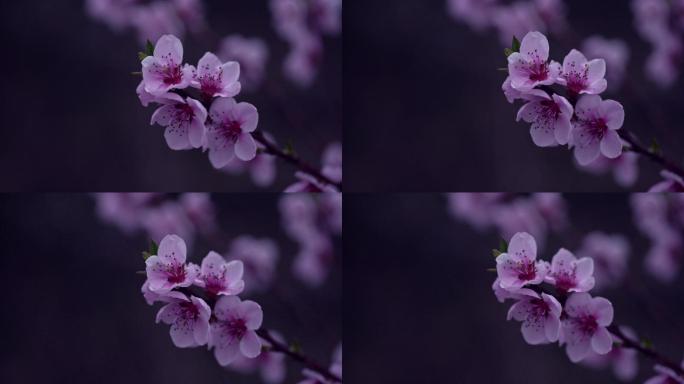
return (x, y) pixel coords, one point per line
(615, 52)
(301, 64)
(232, 334)
(191, 12)
(666, 256)
(332, 169)
(624, 167)
(199, 210)
(516, 19)
(156, 20)
(125, 210)
(610, 254)
(189, 320)
(312, 263)
(623, 361)
(251, 53)
(271, 365)
(672, 183)
(595, 130)
(167, 217)
(552, 208)
(584, 328)
(475, 13)
(259, 257)
(665, 376)
(520, 215)
(477, 209)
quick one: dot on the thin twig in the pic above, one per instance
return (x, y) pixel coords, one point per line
(649, 352)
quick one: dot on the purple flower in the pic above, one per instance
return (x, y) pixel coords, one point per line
(584, 328)
(516, 19)
(184, 122)
(666, 255)
(624, 168)
(156, 19)
(259, 257)
(163, 71)
(529, 67)
(232, 334)
(189, 320)
(504, 294)
(199, 210)
(167, 269)
(123, 209)
(582, 76)
(312, 263)
(168, 217)
(610, 254)
(518, 267)
(477, 209)
(520, 215)
(550, 117)
(216, 79)
(229, 131)
(219, 277)
(568, 274)
(595, 130)
(475, 13)
(540, 317)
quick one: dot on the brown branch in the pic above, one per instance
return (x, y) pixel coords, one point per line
(637, 148)
(649, 352)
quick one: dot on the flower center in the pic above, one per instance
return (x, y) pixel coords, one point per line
(539, 71)
(210, 84)
(176, 274)
(236, 327)
(587, 324)
(597, 127)
(189, 310)
(184, 112)
(231, 129)
(172, 74)
(565, 280)
(526, 271)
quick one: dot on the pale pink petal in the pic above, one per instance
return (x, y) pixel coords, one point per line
(587, 146)
(208, 64)
(177, 137)
(245, 147)
(252, 314)
(611, 145)
(170, 48)
(248, 116)
(601, 342)
(588, 106)
(523, 245)
(552, 328)
(231, 72)
(183, 334)
(577, 349)
(220, 157)
(603, 311)
(163, 115)
(596, 70)
(613, 113)
(172, 249)
(562, 130)
(226, 353)
(535, 46)
(225, 306)
(250, 345)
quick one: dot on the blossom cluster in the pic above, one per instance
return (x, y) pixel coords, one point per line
(513, 19)
(225, 129)
(661, 23)
(660, 217)
(151, 19)
(588, 125)
(227, 326)
(311, 220)
(302, 24)
(570, 316)
(157, 214)
(537, 214)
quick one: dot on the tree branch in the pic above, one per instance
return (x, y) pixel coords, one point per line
(649, 352)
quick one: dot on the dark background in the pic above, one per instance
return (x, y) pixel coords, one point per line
(72, 311)
(425, 111)
(424, 312)
(72, 121)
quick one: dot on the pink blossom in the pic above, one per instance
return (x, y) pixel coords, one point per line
(651, 18)
(152, 297)
(568, 274)
(624, 168)
(116, 13)
(666, 255)
(610, 254)
(191, 12)
(672, 183)
(584, 328)
(582, 76)
(259, 257)
(271, 365)
(167, 270)
(189, 320)
(520, 215)
(595, 130)
(623, 360)
(665, 376)
(163, 71)
(518, 267)
(219, 277)
(184, 121)
(301, 64)
(251, 53)
(540, 317)
(529, 67)
(552, 13)
(300, 214)
(662, 66)
(229, 131)
(550, 117)
(233, 333)
(552, 208)
(214, 78)
(332, 162)
(262, 168)
(314, 259)
(504, 294)
(325, 16)
(615, 52)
